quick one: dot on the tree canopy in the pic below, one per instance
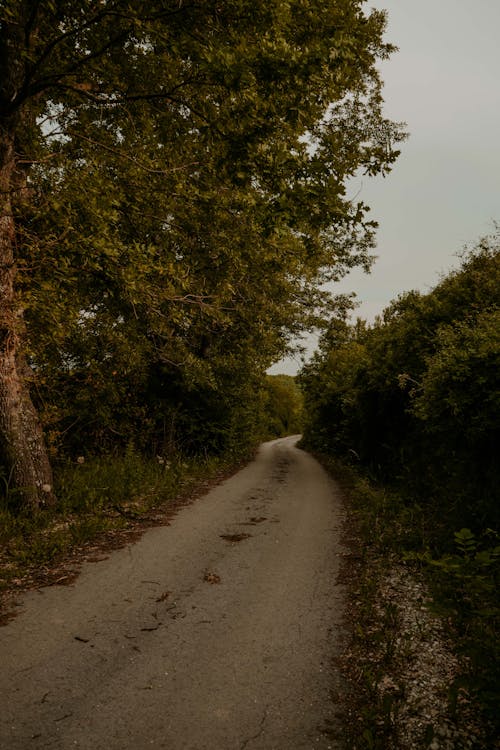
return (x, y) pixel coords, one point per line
(173, 178)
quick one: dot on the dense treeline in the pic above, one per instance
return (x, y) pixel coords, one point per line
(414, 398)
(172, 198)
(412, 403)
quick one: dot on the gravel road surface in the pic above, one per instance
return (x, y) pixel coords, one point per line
(217, 632)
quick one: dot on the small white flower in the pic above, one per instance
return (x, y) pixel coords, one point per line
(46, 488)
(80, 460)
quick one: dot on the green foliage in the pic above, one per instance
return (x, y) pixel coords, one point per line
(466, 583)
(464, 586)
(413, 403)
(186, 202)
(414, 398)
(283, 406)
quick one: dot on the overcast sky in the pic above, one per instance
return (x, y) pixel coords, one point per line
(444, 191)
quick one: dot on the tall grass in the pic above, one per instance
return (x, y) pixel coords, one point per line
(96, 495)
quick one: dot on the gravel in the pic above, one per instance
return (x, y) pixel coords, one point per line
(422, 670)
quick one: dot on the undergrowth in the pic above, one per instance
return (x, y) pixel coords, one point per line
(464, 585)
(369, 715)
(95, 495)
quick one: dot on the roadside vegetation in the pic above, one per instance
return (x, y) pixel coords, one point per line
(172, 192)
(102, 500)
(409, 407)
(172, 201)
(103, 497)
(283, 405)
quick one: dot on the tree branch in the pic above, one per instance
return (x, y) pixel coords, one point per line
(127, 157)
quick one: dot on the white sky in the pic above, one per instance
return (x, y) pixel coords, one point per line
(444, 191)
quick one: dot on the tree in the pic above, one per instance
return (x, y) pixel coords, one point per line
(414, 398)
(283, 406)
(212, 142)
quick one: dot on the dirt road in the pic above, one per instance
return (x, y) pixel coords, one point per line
(214, 633)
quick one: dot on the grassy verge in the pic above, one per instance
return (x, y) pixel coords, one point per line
(419, 623)
(369, 713)
(99, 500)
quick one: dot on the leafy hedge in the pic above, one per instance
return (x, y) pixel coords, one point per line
(413, 401)
(414, 398)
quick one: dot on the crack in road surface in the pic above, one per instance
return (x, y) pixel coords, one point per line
(257, 674)
(256, 736)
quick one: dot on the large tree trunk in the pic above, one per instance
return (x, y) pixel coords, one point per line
(22, 447)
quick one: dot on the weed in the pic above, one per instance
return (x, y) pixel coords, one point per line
(466, 586)
(95, 494)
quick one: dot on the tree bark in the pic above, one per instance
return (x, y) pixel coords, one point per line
(22, 446)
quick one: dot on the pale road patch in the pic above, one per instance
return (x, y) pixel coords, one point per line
(197, 637)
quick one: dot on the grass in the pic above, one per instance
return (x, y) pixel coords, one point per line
(384, 528)
(96, 496)
(370, 714)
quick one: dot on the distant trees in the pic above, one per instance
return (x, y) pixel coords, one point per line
(172, 194)
(283, 406)
(415, 398)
